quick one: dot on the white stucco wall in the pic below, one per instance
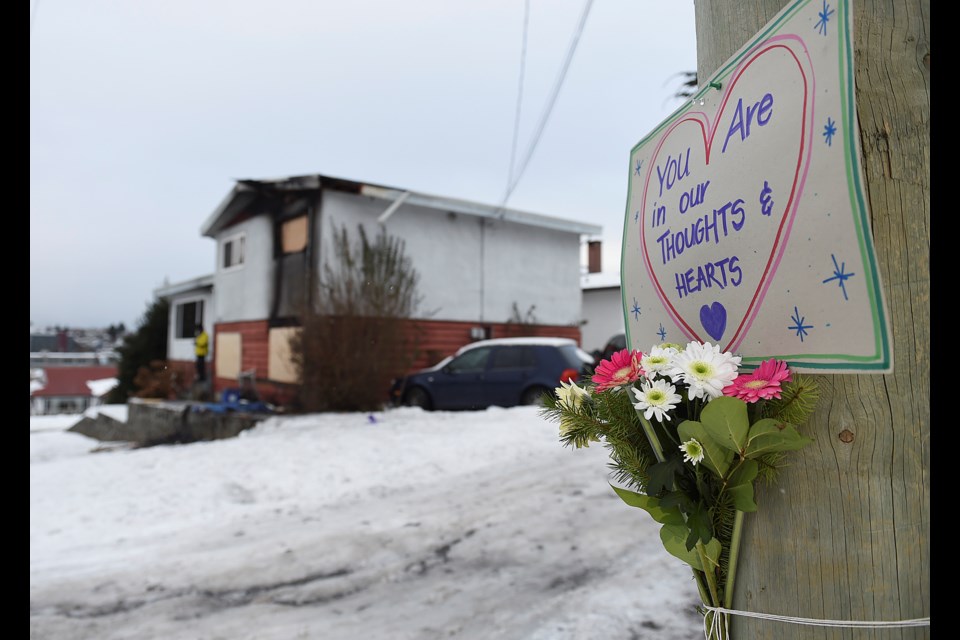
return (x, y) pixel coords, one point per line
(532, 266)
(182, 348)
(603, 311)
(243, 293)
(474, 269)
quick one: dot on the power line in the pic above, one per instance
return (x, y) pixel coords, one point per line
(514, 180)
(523, 64)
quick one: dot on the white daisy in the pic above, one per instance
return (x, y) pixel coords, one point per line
(656, 398)
(658, 361)
(692, 451)
(704, 369)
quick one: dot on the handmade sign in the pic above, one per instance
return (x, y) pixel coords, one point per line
(746, 222)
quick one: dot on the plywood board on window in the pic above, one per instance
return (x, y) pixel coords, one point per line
(227, 354)
(293, 234)
(280, 367)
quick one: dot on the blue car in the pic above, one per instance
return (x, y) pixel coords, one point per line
(503, 372)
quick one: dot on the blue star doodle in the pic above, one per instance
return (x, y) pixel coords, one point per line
(799, 327)
(639, 166)
(636, 310)
(840, 275)
(662, 332)
(824, 14)
(829, 130)
(636, 216)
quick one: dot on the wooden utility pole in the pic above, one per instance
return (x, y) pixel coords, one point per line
(844, 533)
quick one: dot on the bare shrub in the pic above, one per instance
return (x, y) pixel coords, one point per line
(157, 380)
(357, 335)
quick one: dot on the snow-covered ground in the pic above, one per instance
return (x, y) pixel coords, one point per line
(400, 525)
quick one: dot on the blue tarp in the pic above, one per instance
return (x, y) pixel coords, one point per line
(232, 400)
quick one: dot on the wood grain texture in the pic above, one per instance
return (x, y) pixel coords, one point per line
(845, 531)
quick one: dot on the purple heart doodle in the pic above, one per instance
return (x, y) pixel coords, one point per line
(714, 319)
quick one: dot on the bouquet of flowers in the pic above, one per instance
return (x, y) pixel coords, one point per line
(688, 435)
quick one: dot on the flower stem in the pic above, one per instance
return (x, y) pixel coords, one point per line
(710, 574)
(701, 585)
(651, 437)
(714, 596)
(732, 560)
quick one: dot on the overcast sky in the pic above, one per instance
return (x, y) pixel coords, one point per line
(143, 115)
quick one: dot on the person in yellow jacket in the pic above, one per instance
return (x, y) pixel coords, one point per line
(201, 346)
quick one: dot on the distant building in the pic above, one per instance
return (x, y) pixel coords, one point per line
(62, 349)
(479, 265)
(70, 389)
(60, 342)
(73, 359)
(602, 309)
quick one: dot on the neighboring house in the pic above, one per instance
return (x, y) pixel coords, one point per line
(479, 266)
(602, 309)
(70, 389)
(602, 304)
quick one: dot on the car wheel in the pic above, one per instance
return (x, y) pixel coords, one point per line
(417, 397)
(533, 396)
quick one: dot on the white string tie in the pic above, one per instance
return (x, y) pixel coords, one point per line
(718, 627)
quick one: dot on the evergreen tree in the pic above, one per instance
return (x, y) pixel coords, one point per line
(139, 349)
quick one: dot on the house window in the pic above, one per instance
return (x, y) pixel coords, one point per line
(293, 234)
(233, 252)
(189, 316)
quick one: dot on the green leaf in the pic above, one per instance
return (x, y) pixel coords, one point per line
(740, 486)
(651, 506)
(715, 457)
(725, 419)
(700, 525)
(769, 436)
(675, 499)
(673, 537)
(661, 475)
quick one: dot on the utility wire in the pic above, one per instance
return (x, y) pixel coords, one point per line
(523, 64)
(514, 180)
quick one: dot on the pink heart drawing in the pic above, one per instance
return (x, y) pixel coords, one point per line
(721, 193)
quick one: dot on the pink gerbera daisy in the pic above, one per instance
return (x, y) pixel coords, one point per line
(622, 368)
(763, 383)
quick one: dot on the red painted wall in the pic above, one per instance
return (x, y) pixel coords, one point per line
(441, 338)
(438, 339)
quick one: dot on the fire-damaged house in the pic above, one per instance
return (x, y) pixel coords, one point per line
(478, 266)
